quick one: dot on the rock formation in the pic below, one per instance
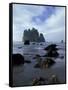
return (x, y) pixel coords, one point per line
(51, 51)
(17, 59)
(48, 62)
(33, 35)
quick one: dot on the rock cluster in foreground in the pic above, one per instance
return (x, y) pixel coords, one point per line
(48, 62)
(46, 81)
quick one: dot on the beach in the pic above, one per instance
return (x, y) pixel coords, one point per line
(23, 75)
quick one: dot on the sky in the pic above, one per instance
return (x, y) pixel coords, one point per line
(49, 20)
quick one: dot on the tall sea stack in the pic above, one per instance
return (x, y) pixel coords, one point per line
(32, 35)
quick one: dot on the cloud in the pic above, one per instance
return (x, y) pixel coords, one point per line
(48, 20)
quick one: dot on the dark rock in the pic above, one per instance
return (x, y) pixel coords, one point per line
(26, 42)
(38, 81)
(54, 80)
(17, 59)
(45, 64)
(52, 54)
(51, 47)
(35, 82)
(52, 51)
(48, 63)
(42, 81)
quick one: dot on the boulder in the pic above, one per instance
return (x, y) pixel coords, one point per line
(17, 59)
(35, 82)
(45, 63)
(26, 42)
(38, 81)
(51, 51)
(53, 79)
(51, 47)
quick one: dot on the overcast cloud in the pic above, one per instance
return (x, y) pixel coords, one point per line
(49, 20)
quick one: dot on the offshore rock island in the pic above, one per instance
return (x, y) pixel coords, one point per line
(32, 35)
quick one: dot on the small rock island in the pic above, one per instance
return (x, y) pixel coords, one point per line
(32, 35)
